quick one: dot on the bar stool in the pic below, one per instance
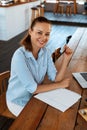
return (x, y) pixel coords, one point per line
(60, 9)
(68, 9)
(55, 8)
(35, 13)
(41, 10)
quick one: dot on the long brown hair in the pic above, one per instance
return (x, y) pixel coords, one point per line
(26, 41)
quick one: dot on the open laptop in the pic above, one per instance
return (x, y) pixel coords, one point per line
(81, 77)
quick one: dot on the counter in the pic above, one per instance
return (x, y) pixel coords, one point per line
(15, 19)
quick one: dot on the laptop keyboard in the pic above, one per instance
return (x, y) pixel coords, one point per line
(84, 75)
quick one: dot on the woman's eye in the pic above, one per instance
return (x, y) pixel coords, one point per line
(39, 32)
(47, 34)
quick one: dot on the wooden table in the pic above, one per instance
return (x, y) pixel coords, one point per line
(39, 116)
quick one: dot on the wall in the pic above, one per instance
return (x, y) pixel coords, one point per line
(15, 19)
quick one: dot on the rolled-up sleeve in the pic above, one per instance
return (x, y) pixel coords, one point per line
(51, 69)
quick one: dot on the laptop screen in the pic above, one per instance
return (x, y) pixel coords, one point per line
(81, 77)
(84, 75)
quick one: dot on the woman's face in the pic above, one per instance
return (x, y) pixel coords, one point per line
(40, 34)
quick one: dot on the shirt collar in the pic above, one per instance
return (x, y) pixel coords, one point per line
(28, 54)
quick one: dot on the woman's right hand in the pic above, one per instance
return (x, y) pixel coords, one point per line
(64, 83)
(67, 54)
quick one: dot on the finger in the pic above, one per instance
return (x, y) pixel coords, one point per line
(68, 50)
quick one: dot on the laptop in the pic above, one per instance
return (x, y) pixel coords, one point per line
(81, 77)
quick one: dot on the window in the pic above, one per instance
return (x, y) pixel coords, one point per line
(78, 1)
(51, 1)
(81, 1)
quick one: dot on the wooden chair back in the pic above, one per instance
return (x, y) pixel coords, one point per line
(3, 87)
(56, 54)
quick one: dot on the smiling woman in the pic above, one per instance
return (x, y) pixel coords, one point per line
(30, 63)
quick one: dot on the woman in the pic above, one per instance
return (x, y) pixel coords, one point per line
(30, 63)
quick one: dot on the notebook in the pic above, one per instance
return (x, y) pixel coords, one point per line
(81, 77)
(61, 99)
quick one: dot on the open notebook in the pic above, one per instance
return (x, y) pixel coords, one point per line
(81, 77)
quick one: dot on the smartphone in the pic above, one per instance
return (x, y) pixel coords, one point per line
(62, 49)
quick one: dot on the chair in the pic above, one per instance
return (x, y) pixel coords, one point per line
(3, 87)
(56, 54)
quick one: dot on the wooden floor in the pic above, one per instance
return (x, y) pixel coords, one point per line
(7, 49)
(57, 39)
(75, 20)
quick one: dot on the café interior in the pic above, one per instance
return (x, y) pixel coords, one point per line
(69, 26)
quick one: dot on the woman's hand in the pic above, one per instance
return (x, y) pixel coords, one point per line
(67, 54)
(66, 58)
(64, 83)
(52, 86)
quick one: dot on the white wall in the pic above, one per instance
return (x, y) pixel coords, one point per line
(15, 19)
